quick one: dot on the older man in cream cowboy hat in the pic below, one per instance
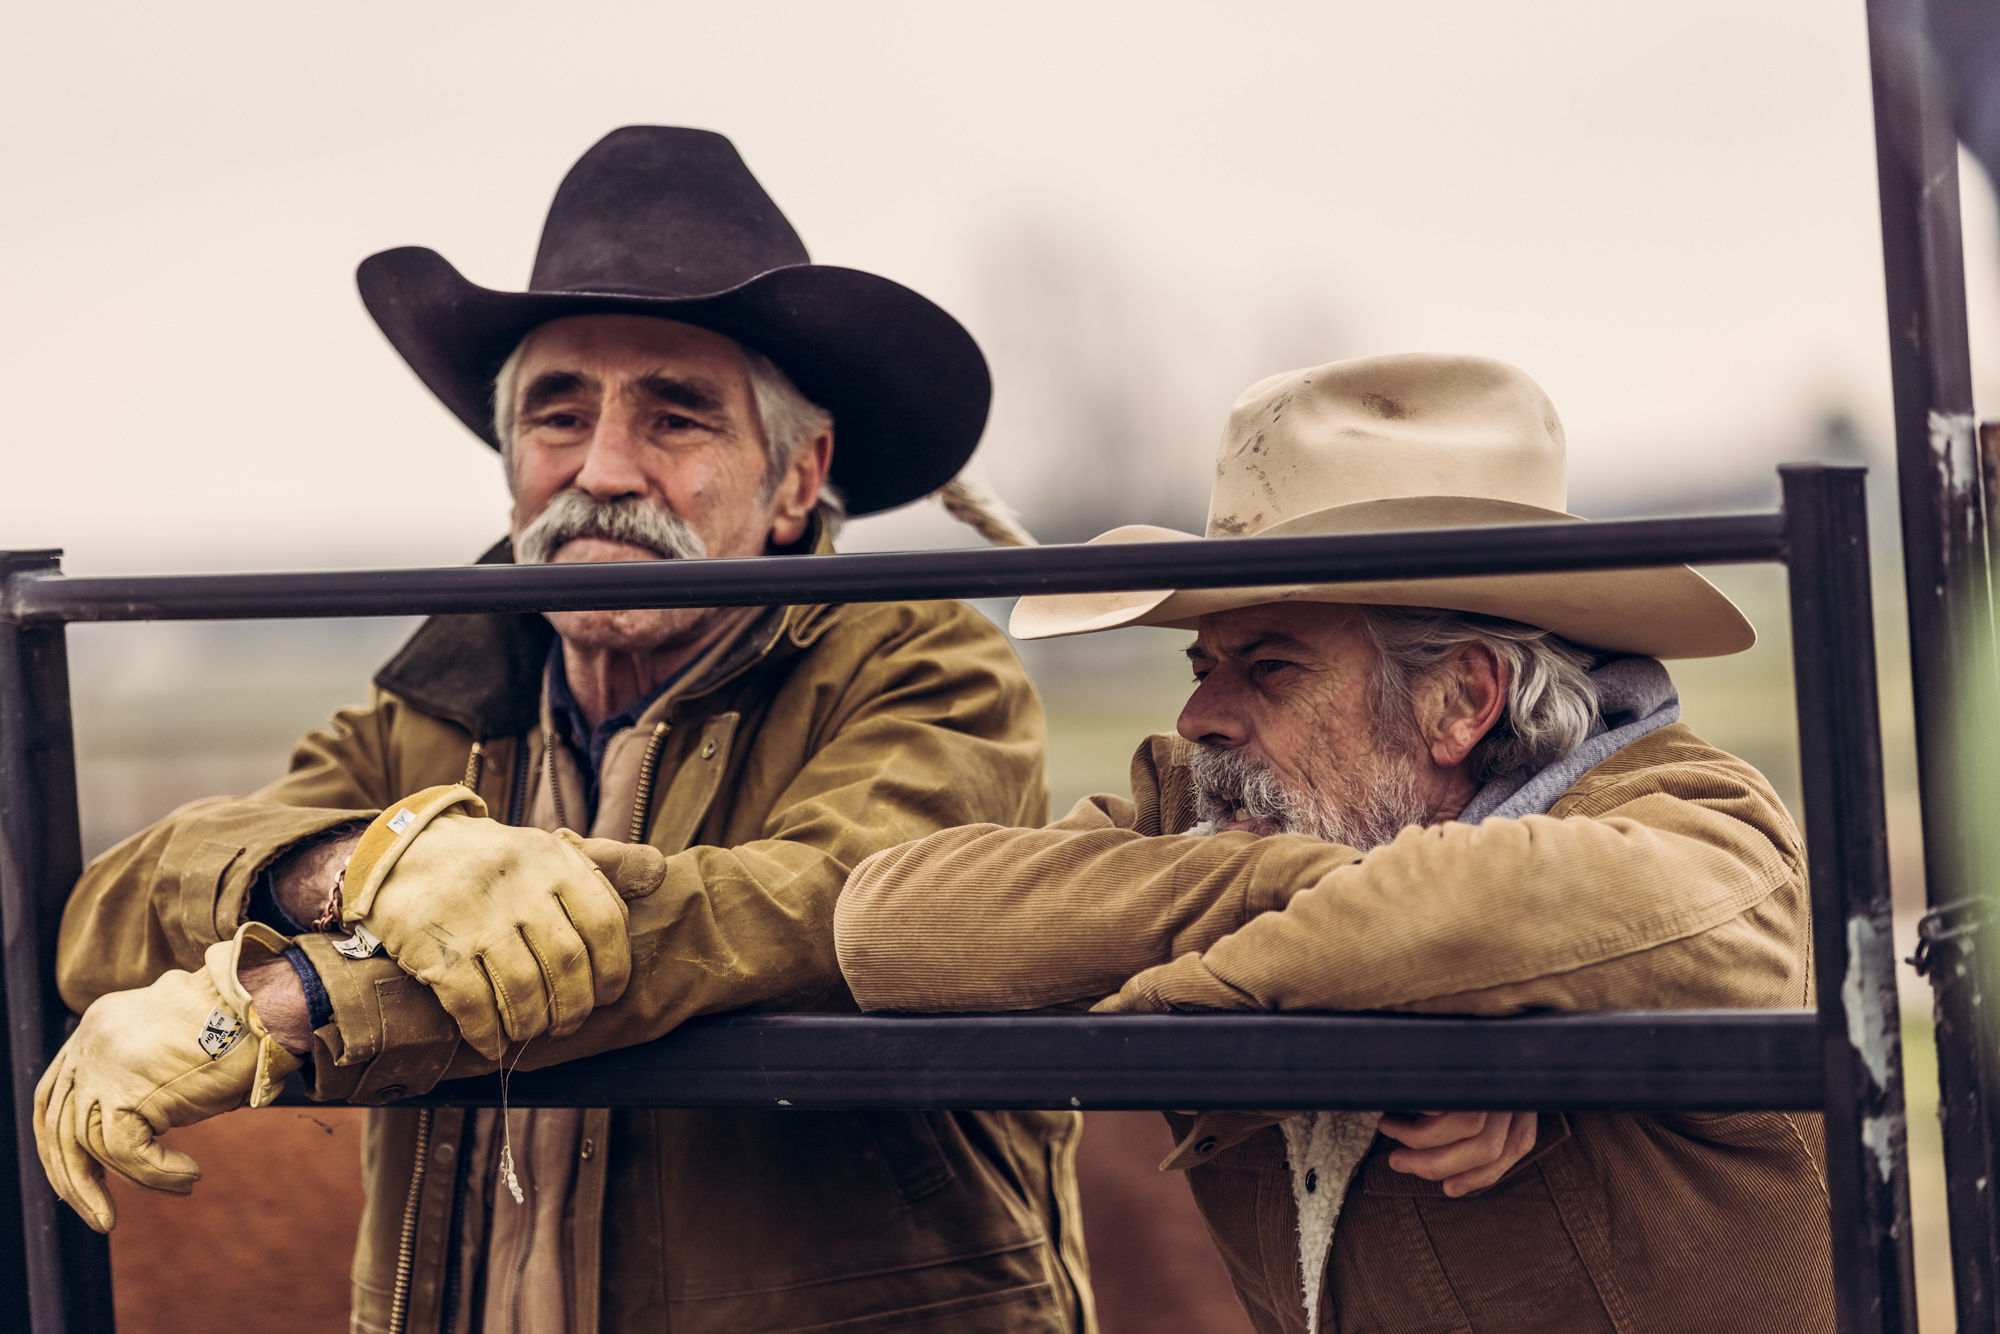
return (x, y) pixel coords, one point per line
(1463, 796)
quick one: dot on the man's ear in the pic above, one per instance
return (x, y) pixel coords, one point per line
(1472, 692)
(798, 489)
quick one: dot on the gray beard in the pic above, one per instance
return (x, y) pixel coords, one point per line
(1385, 802)
(576, 513)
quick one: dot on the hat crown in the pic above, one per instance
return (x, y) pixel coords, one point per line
(1385, 428)
(660, 210)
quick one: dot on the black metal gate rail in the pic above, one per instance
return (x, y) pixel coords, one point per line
(1707, 1060)
(1845, 1058)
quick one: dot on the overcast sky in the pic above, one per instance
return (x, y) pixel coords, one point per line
(1666, 214)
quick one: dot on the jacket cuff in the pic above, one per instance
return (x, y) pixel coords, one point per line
(1184, 984)
(389, 1037)
(213, 874)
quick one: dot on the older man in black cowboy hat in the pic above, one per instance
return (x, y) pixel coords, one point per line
(533, 844)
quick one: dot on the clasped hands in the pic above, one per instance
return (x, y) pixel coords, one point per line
(1464, 1151)
(518, 932)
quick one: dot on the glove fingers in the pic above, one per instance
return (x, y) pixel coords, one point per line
(124, 1142)
(472, 1004)
(52, 1092)
(563, 956)
(75, 1175)
(601, 923)
(527, 990)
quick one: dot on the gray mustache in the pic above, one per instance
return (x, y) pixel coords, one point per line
(1224, 780)
(574, 513)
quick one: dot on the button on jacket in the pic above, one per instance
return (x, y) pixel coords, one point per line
(844, 730)
(1667, 877)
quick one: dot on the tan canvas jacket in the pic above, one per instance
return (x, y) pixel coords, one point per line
(854, 728)
(1667, 877)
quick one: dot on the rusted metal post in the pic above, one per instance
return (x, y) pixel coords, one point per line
(67, 1266)
(1944, 560)
(1854, 955)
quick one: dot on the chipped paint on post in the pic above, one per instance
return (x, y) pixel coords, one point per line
(1882, 1135)
(1955, 454)
(1868, 1020)
(1873, 1036)
(1951, 433)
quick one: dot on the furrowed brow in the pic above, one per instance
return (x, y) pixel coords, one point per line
(696, 395)
(549, 386)
(1271, 639)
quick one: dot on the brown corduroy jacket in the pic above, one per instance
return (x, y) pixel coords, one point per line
(849, 730)
(1668, 877)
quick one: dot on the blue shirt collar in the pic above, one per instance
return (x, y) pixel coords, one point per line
(588, 743)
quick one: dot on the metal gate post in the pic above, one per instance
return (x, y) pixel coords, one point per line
(1939, 484)
(68, 1267)
(1854, 955)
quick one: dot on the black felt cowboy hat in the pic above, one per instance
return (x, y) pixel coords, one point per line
(669, 222)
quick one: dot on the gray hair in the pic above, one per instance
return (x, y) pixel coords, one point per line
(787, 419)
(1551, 701)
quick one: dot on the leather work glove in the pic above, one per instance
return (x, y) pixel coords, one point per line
(516, 930)
(141, 1062)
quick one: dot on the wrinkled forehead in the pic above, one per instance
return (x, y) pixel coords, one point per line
(1321, 629)
(606, 348)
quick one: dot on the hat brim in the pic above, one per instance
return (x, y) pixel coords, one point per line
(906, 384)
(1663, 611)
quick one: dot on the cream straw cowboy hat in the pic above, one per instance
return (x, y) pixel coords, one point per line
(1409, 441)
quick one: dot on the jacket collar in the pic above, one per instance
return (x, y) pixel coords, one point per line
(484, 670)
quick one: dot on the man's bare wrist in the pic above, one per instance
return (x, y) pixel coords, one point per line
(280, 1000)
(306, 880)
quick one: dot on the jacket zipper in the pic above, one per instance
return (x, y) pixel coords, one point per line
(549, 771)
(642, 804)
(518, 809)
(406, 1250)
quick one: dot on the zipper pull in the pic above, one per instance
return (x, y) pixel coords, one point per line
(642, 801)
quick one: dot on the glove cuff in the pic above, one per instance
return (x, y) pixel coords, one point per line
(384, 841)
(235, 1018)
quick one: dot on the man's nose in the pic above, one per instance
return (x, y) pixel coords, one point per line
(1210, 716)
(612, 465)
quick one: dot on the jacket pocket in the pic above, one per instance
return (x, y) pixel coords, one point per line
(1527, 1253)
(909, 1146)
(740, 1205)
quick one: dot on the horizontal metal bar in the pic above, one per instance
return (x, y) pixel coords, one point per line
(1718, 1060)
(1413, 554)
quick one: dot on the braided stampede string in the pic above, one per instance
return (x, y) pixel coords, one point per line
(507, 1131)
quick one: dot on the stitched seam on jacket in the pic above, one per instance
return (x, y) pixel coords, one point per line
(1805, 1152)
(1590, 1253)
(1042, 1295)
(1440, 1296)
(937, 1262)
